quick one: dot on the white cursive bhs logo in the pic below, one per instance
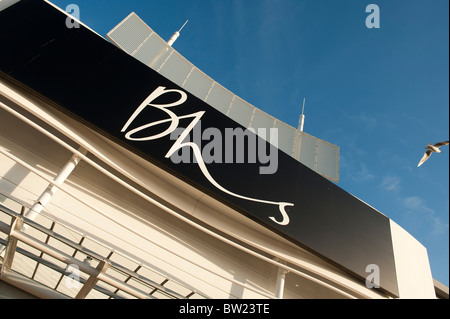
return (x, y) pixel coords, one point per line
(174, 120)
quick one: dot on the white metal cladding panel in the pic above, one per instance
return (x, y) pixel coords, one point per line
(161, 59)
(130, 33)
(198, 84)
(262, 120)
(220, 98)
(308, 150)
(176, 68)
(241, 112)
(286, 136)
(327, 160)
(151, 50)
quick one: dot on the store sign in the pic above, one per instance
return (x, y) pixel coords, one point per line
(173, 121)
(105, 88)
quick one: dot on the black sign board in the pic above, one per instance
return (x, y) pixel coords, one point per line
(92, 80)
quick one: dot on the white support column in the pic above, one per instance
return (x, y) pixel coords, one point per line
(281, 278)
(52, 189)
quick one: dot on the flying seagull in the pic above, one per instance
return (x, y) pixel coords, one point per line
(432, 149)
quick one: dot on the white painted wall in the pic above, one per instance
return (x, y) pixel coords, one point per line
(414, 276)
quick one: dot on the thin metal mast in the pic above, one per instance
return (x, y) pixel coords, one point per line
(176, 35)
(301, 122)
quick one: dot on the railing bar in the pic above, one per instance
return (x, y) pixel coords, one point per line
(52, 266)
(89, 252)
(83, 267)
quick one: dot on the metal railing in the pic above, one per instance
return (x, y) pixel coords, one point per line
(85, 275)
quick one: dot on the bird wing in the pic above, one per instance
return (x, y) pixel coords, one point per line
(424, 158)
(441, 144)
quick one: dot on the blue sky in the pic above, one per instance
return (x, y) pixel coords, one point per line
(380, 94)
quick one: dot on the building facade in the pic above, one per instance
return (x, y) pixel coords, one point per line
(98, 200)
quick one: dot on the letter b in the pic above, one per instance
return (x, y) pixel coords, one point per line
(226, 308)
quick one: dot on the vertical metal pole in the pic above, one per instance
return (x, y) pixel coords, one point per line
(281, 279)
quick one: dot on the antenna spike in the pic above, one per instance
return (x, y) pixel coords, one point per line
(301, 122)
(176, 35)
(183, 26)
